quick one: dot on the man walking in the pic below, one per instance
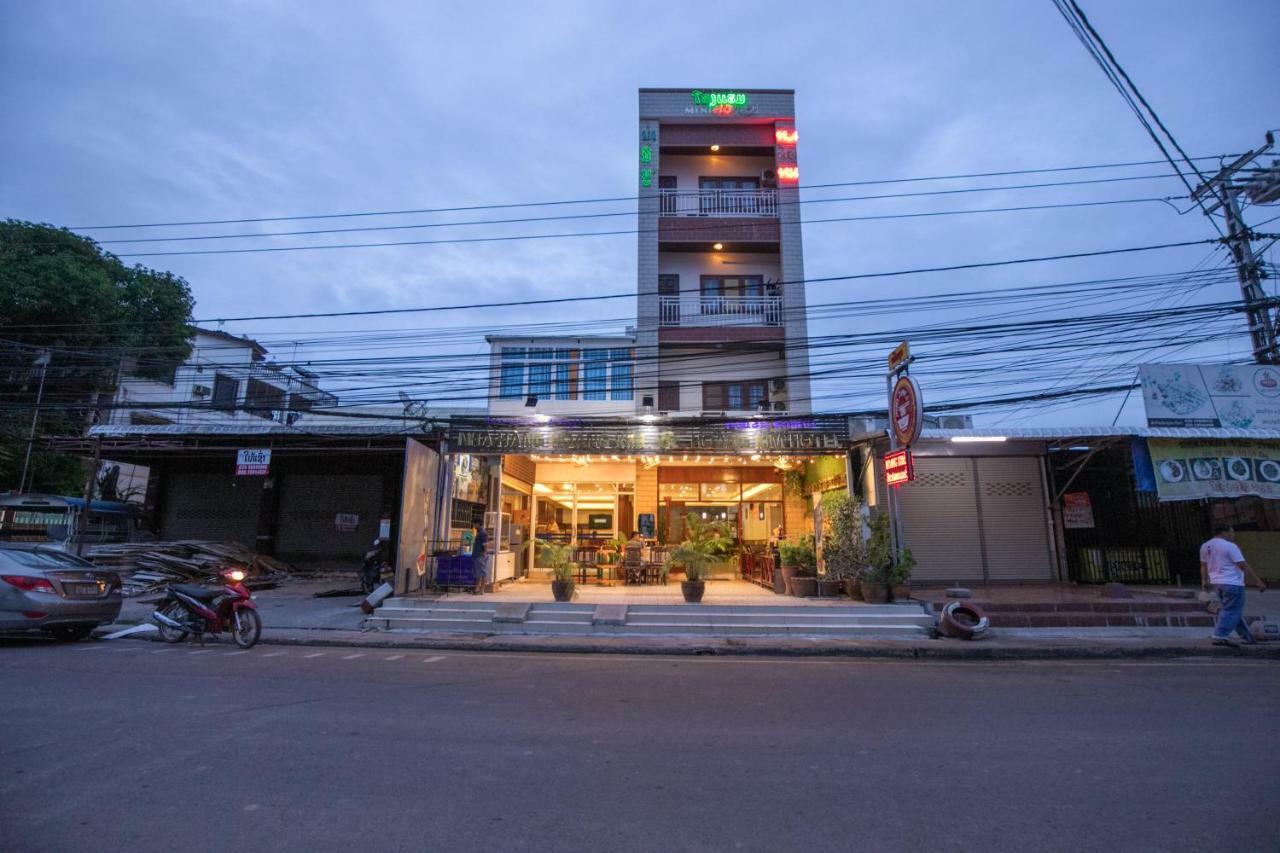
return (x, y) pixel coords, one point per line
(1223, 565)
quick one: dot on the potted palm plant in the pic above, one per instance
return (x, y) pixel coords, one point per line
(555, 555)
(900, 576)
(708, 542)
(876, 573)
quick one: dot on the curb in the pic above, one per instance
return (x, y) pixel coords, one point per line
(980, 650)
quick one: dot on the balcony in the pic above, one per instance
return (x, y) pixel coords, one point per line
(719, 311)
(718, 203)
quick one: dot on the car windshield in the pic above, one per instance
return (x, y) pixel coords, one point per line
(44, 559)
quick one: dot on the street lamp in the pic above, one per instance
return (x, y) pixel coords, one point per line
(42, 361)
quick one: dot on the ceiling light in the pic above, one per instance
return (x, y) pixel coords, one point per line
(715, 147)
(718, 246)
(968, 439)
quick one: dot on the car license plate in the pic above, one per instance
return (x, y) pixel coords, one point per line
(85, 589)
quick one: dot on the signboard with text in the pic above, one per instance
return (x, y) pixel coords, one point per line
(1234, 396)
(906, 411)
(1077, 511)
(1190, 469)
(253, 463)
(899, 468)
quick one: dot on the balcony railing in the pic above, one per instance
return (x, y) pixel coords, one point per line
(718, 203)
(701, 311)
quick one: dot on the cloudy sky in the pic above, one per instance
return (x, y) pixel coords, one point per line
(121, 113)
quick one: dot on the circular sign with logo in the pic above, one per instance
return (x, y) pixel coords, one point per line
(906, 411)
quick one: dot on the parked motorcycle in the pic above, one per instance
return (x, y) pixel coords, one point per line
(376, 567)
(189, 609)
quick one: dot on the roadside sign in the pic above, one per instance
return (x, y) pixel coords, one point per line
(900, 355)
(898, 468)
(1077, 511)
(906, 411)
(253, 463)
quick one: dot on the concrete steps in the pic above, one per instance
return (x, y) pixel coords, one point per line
(480, 617)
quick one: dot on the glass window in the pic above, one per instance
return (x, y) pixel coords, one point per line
(596, 374)
(719, 491)
(540, 380)
(513, 353)
(756, 394)
(712, 396)
(762, 492)
(734, 396)
(620, 375)
(678, 491)
(512, 383)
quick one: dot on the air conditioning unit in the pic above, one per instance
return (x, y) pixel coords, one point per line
(779, 406)
(200, 391)
(777, 386)
(769, 179)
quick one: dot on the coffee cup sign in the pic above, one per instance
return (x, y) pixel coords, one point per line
(906, 411)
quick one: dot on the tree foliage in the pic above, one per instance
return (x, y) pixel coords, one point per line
(96, 316)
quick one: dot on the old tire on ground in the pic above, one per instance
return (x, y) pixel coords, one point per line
(962, 620)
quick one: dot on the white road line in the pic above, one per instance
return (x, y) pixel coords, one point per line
(273, 655)
(163, 651)
(433, 659)
(314, 655)
(395, 657)
(353, 657)
(200, 652)
(126, 649)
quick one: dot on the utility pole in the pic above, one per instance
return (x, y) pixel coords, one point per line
(82, 521)
(42, 361)
(1263, 325)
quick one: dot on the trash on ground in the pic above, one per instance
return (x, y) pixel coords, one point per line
(375, 598)
(147, 566)
(144, 628)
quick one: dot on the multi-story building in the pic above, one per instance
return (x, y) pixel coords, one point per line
(226, 380)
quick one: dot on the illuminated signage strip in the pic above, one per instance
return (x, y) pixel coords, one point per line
(899, 468)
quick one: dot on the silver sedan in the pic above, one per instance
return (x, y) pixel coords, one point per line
(55, 592)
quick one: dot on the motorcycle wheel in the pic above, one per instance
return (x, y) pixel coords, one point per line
(176, 612)
(246, 627)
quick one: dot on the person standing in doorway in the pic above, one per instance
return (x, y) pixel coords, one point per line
(1223, 565)
(480, 559)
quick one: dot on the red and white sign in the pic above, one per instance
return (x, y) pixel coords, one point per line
(1077, 511)
(906, 411)
(898, 468)
(252, 463)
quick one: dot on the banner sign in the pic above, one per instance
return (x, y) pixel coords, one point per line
(1077, 511)
(1235, 396)
(792, 435)
(898, 468)
(1189, 469)
(906, 411)
(252, 463)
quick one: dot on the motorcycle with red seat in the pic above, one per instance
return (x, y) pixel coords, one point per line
(192, 610)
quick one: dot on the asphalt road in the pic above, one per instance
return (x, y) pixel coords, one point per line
(132, 746)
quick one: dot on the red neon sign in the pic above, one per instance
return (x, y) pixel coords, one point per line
(786, 136)
(898, 468)
(722, 110)
(790, 174)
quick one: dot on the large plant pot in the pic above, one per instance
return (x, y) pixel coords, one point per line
(900, 591)
(853, 588)
(875, 593)
(805, 587)
(788, 579)
(829, 588)
(562, 590)
(692, 591)
(779, 583)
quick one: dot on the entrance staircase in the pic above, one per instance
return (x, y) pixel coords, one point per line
(480, 617)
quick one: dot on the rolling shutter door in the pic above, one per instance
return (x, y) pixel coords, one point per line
(940, 520)
(309, 508)
(1013, 518)
(214, 507)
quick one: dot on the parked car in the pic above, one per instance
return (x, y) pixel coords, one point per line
(45, 589)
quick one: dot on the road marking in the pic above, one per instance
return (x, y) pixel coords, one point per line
(314, 655)
(163, 651)
(395, 657)
(433, 659)
(353, 657)
(200, 652)
(273, 655)
(126, 649)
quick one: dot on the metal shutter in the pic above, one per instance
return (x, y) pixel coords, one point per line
(940, 520)
(309, 506)
(216, 507)
(1014, 521)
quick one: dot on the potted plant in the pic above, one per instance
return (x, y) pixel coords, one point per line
(875, 575)
(790, 554)
(843, 550)
(900, 576)
(555, 555)
(708, 542)
(805, 582)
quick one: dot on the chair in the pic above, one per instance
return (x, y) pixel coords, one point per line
(585, 557)
(632, 565)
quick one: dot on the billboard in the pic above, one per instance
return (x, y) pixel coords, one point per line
(1232, 396)
(1191, 469)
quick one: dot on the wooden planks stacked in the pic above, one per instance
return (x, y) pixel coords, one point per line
(147, 566)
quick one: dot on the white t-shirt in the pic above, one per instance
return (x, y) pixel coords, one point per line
(1223, 559)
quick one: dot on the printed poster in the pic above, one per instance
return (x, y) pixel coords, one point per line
(1234, 396)
(1190, 469)
(1077, 511)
